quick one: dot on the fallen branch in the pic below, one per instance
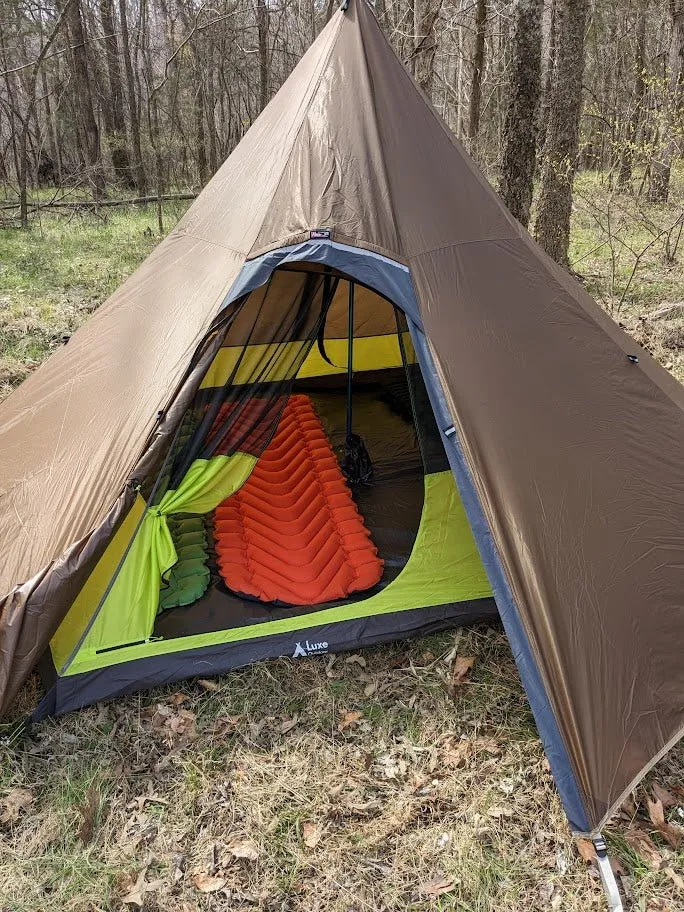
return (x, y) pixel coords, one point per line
(667, 311)
(99, 204)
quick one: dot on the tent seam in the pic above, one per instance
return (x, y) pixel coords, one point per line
(376, 121)
(323, 69)
(489, 240)
(199, 237)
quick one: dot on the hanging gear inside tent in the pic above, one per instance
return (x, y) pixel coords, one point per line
(356, 463)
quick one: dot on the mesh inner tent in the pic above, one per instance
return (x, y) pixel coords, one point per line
(268, 336)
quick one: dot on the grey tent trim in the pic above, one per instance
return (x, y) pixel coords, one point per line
(393, 280)
(387, 277)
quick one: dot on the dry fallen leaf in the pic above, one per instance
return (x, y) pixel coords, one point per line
(489, 745)
(671, 833)
(288, 725)
(177, 698)
(14, 802)
(617, 866)
(349, 718)
(370, 689)
(667, 798)
(628, 807)
(498, 812)
(211, 686)
(655, 811)
(226, 725)
(356, 660)
(245, 849)
(311, 834)
(586, 849)
(676, 878)
(644, 846)
(438, 886)
(461, 669)
(456, 752)
(136, 895)
(207, 883)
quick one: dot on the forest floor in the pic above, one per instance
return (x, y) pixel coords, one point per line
(344, 784)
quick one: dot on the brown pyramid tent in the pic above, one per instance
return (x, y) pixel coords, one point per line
(565, 437)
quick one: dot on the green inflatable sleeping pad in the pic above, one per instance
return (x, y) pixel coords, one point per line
(189, 578)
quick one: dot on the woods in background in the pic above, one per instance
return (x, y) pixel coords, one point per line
(147, 98)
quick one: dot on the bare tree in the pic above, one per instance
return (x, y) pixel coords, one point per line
(133, 110)
(520, 132)
(22, 158)
(549, 29)
(113, 104)
(478, 69)
(425, 13)
(552, 228)
(639, 95)
(671, 129)
(264, 64)
(158, 92)
(82, 83)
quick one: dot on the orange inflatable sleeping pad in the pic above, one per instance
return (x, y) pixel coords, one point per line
(293, 533)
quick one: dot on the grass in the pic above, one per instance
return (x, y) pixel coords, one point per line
(53, 277)
(263, 787)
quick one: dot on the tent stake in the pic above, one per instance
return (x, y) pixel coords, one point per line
(608, 880)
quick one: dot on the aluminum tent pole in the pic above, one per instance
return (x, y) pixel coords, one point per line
(350, 362)
(356, 464)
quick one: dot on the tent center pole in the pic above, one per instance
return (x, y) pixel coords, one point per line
(607, 875)
(350, 359)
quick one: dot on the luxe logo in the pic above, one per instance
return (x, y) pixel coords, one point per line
(301, 651)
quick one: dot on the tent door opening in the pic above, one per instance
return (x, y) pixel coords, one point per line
(379, 387)
(252, 530)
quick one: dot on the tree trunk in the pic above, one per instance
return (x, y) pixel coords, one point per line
(460, 64)
(671, 130)
(478, 67)
(262, 29)
(549, 68)
(425, 14)
(520, 131)
(138, 166)
(562, 141)
(210, 107)
(53, 138)
(118, 141)
(83, 88)
(627, 157)
(200, 137)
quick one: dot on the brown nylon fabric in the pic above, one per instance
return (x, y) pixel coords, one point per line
(575, 451)
(71, 435)
(31, 613)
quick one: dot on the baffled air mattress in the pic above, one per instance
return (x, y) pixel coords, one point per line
(189, 577)
(293, 534)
